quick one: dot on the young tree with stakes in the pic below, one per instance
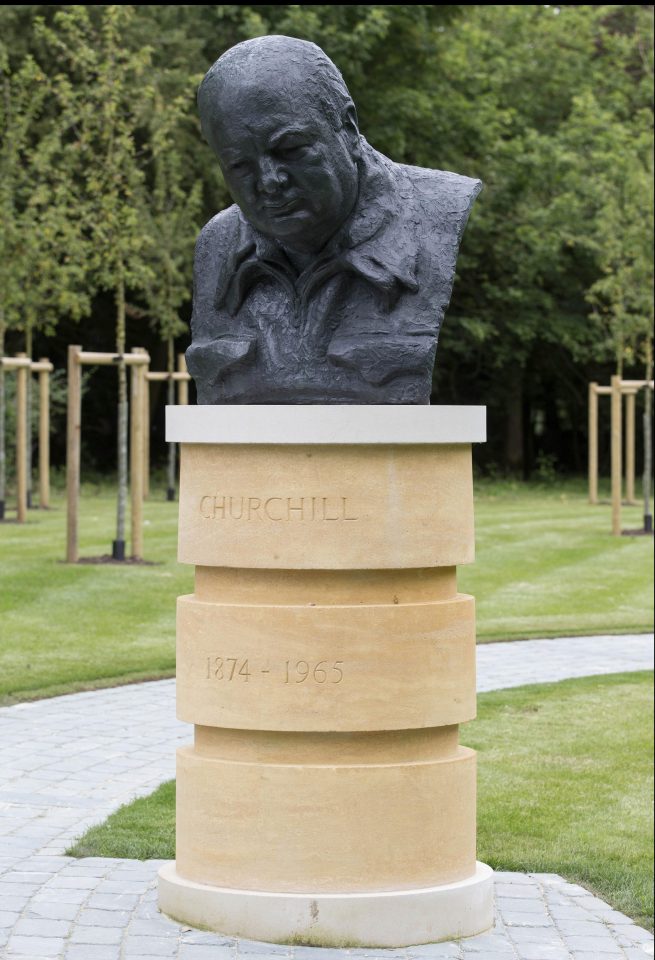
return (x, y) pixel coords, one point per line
(174, 213)
(40, 279)
(105, 101)
(22, 95)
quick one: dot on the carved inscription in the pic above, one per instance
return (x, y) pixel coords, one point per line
(276, 509)
(243, 670)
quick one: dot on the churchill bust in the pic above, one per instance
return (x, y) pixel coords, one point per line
(328, 279)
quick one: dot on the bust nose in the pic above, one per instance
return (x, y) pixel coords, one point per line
(272, 177)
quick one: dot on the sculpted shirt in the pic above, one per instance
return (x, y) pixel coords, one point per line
(359, 325)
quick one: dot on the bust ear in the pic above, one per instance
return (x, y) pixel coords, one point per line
(350, 128)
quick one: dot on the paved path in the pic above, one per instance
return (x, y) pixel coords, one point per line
(513, 664)
(68, 762)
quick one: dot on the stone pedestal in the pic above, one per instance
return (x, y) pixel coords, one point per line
(326, 661)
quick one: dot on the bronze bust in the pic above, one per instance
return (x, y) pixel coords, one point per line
(328, 279)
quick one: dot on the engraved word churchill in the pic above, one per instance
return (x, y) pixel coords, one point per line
(328, 279)
(277, 509)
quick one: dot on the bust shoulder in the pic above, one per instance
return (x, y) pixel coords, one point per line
(219, 232)
(449, 195)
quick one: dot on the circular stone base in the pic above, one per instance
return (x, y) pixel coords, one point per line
(400, 918)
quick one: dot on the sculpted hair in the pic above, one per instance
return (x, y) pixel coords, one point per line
(276, 56)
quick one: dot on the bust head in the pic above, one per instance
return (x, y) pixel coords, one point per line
(279, 117)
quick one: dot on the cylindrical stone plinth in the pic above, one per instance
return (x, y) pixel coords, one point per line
(326, 660)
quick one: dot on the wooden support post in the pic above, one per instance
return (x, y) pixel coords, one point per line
(629, 384)
(137, 383)
(113, 359)
(616, 456)
(146, 433)
(145, 420)
(73, 431)
(630, 398)
(182, 385)
(593, 443)
(44, 436)
(22, 386)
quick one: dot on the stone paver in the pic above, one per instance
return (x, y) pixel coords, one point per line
(502, 665)
(67, 763)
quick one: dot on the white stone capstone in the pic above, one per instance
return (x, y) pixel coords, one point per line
(325, 424)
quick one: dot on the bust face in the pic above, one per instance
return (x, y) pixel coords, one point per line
(294, 176)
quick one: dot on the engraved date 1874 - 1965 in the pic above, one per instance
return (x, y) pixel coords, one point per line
(235, 669)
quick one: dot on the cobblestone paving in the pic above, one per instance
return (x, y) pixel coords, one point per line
(67, 763)
(502, 665)
(97, 909)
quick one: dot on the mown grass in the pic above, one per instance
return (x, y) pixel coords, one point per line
(564, 786)
(546, 565)
(67, 627)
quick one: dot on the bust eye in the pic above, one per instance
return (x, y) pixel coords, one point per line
(292, 151)
(239, 166)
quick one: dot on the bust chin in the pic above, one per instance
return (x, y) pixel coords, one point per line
(328, 279)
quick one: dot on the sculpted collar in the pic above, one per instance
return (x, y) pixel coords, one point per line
(361, 246)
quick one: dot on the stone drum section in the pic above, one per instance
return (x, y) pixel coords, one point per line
(326, 661)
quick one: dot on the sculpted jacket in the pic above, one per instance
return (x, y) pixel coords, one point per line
(359, 325)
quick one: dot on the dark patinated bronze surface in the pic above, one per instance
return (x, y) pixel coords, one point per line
(328, 279)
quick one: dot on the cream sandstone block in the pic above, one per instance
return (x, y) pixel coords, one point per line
(329, 668)
(325, 827)
(324, 587)
(326, 660)
(325, 507)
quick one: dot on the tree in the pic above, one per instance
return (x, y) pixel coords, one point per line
(549, 106)
(38, 280)
(22, 95)
(173, 215)
(537, 102)
(105, 98)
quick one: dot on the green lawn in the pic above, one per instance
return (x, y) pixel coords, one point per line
(66, 627)
(565, 786)
(546, 565)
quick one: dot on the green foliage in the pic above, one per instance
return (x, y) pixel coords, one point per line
(555, 146)
(38, 279)
(104, 98)
(58, 395)
(549, 106)
(172, 219)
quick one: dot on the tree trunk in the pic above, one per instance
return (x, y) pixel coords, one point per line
(3, 458)
(28, 465)
(118, 547)
(172, 450)
(514, 428)
(648, 442)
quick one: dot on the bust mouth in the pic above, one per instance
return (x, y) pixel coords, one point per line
(285, 206)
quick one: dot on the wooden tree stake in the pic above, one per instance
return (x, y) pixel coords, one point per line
(630, 397)
(22, 384)
(182, 385)
(73, 431)
(616, 456)
(146, 432)
(44, 431)
(137, 455)
(593, 443)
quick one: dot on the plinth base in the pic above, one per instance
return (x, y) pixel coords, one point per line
(399, 918)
